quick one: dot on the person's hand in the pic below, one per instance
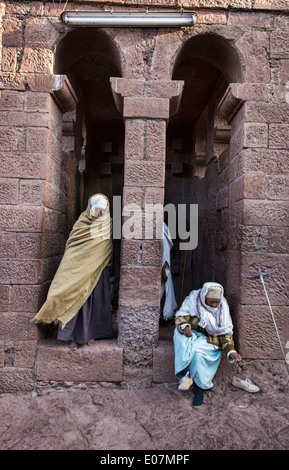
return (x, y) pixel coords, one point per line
(164, 274)
(236, 357)
(188, 331)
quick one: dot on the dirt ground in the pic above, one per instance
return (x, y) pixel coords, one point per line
(160, 418)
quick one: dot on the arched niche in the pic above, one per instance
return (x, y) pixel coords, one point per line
(89, 57)
(198, 140)
(82, 42)
(216, 51)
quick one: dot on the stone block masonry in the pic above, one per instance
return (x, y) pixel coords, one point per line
(33, 223)
(138, 315)
(40, 185)
(259, 212)
(99, 363)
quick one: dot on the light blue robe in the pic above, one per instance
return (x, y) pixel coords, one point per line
(198, 356)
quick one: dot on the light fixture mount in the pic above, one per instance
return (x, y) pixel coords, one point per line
(132, 19)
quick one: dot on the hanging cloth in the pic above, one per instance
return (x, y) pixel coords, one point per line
(167, 287)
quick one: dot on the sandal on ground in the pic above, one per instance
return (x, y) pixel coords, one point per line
(245, 384)
(73, 346)
(185, 382)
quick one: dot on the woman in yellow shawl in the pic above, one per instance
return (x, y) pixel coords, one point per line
(79, 299)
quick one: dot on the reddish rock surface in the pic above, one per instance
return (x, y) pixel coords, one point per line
(160, 418)
(194, 115)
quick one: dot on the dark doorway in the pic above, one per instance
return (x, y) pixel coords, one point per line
(89, 58)
(196, 137)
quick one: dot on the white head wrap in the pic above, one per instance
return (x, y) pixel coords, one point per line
(214, 292)
(97, 203)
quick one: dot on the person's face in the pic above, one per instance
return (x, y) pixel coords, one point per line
(212, 302)
(96, 212)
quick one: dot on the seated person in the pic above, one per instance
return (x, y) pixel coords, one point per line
(203, 329)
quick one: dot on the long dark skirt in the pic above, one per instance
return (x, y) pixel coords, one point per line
(94, 319)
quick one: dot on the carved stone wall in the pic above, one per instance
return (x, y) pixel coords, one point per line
(194, 115)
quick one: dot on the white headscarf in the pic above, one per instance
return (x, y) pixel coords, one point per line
(101, 225)
(216, 321)
(97, 203)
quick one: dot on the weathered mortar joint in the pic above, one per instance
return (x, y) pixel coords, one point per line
(9, 353)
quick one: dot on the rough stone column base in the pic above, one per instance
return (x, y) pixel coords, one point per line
(138, 342)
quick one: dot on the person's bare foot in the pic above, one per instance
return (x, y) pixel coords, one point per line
(90, 342)
(73, 346)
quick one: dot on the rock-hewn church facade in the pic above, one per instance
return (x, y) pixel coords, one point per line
(194, 114)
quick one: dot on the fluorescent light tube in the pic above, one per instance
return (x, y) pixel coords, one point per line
(129, 19)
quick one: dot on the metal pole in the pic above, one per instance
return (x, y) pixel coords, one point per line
(260, 275)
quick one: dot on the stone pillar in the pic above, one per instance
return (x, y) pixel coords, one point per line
(257, 209)
(146, 107)
(33, 214)
(56, 223)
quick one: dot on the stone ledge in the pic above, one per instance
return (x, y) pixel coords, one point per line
(163, 362)
(101, 362)
(16, 380)
(269, 374)
(63, 93)
(151, 95)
